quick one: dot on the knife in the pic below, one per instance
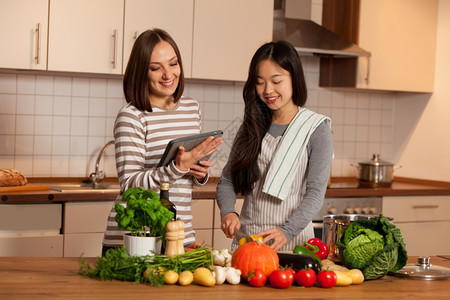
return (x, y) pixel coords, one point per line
(239, 234)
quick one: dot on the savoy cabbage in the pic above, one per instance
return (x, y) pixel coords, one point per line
(374, 246)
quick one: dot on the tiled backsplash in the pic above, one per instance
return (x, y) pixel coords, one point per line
(55, 126)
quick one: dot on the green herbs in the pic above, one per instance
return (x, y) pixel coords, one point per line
(143, 212)
(116, 264)
(374, 246)
(119, 265)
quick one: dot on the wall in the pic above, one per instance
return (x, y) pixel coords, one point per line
(54, 126)
(422, 122)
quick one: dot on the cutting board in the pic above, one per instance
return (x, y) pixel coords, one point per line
(24, 188)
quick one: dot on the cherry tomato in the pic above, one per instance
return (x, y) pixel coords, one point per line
(257, 278)
(326, 279)
(281, 278)
(306, 277)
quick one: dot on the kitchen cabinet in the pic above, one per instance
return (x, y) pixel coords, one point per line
(23, 32)
(86, 36)
(174, 16)
(424, 222)
(31, 230)
(84, 227)
(401, 36)
(202, 220)
(226, 35)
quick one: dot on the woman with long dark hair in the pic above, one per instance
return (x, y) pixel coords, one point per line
(281, 157)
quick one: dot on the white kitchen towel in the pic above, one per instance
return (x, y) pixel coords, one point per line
(283, 166)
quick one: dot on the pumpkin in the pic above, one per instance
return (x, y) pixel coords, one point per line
(255, 255)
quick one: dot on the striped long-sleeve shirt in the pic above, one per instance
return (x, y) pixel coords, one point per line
(140, 140)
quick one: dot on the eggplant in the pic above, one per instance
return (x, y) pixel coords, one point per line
(298, 261)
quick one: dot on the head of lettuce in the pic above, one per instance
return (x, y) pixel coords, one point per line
(374, 246)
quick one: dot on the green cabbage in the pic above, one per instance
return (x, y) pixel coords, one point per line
(376, 247)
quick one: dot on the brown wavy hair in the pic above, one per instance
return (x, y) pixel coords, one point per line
(258, 117)
(136, 87)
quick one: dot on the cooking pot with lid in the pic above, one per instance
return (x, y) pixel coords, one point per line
(376, 172)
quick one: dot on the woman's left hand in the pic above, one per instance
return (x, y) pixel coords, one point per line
(200, 170)
(276, 235)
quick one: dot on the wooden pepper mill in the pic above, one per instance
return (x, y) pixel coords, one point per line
(180, 236)
(174, 238)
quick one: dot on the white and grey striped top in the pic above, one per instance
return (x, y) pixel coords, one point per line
(140, 141)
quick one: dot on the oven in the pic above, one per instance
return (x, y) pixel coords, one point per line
(346, 205)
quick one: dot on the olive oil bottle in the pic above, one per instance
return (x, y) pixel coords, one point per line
(165, 199)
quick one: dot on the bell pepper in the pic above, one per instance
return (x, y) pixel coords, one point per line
(300, 249)
(319, 248)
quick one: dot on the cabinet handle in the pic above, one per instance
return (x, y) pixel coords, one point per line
(114, 36)
(425, 206)
(135, 36)
(38, 43)
(368, 70)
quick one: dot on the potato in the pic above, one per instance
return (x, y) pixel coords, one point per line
(185, 278)
(342, 279)
(356, 275)
(171, 277)
(331, 266)
(204, 276)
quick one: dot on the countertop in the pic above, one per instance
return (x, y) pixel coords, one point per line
(28, 278)
(340, 187)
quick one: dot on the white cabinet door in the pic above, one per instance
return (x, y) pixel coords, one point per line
(401, 35)
(174, 16)
(423, 222)
(86, 36)
(227, 34)
(23, 32)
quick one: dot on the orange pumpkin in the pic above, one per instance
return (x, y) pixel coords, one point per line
(255, 255)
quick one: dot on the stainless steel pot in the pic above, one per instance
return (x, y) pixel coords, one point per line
(334, 227)
(376, 172)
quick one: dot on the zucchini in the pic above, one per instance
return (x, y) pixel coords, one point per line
(298, 261)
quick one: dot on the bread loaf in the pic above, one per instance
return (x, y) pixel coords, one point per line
(11, 177)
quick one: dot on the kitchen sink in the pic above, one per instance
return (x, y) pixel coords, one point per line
(85, 187)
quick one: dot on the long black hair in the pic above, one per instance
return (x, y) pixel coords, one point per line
(257, 116)
(136, 86)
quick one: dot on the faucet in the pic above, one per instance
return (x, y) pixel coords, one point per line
(98, 176)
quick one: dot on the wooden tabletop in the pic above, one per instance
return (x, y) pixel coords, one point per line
(27, 278)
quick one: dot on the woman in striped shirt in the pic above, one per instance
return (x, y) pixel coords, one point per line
(156, 112)
(281, 156)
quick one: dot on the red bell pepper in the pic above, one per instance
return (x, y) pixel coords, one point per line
(317, 247)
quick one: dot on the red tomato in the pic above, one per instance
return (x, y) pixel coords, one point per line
(281, 279)
(326, 279)
(306, 277)
(257, 278)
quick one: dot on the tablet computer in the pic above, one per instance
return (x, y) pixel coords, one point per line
(189, 142)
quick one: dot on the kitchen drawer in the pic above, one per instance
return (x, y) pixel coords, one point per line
(85, 217)
(32, 246)
(88, 244)
(202, 213)
(426, 238)
(417, 208)
(204, 236)
(33, 218)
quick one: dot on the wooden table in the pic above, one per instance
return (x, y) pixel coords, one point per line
(26, 278)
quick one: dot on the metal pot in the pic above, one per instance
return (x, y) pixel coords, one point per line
(334, 227)
(376, 172)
